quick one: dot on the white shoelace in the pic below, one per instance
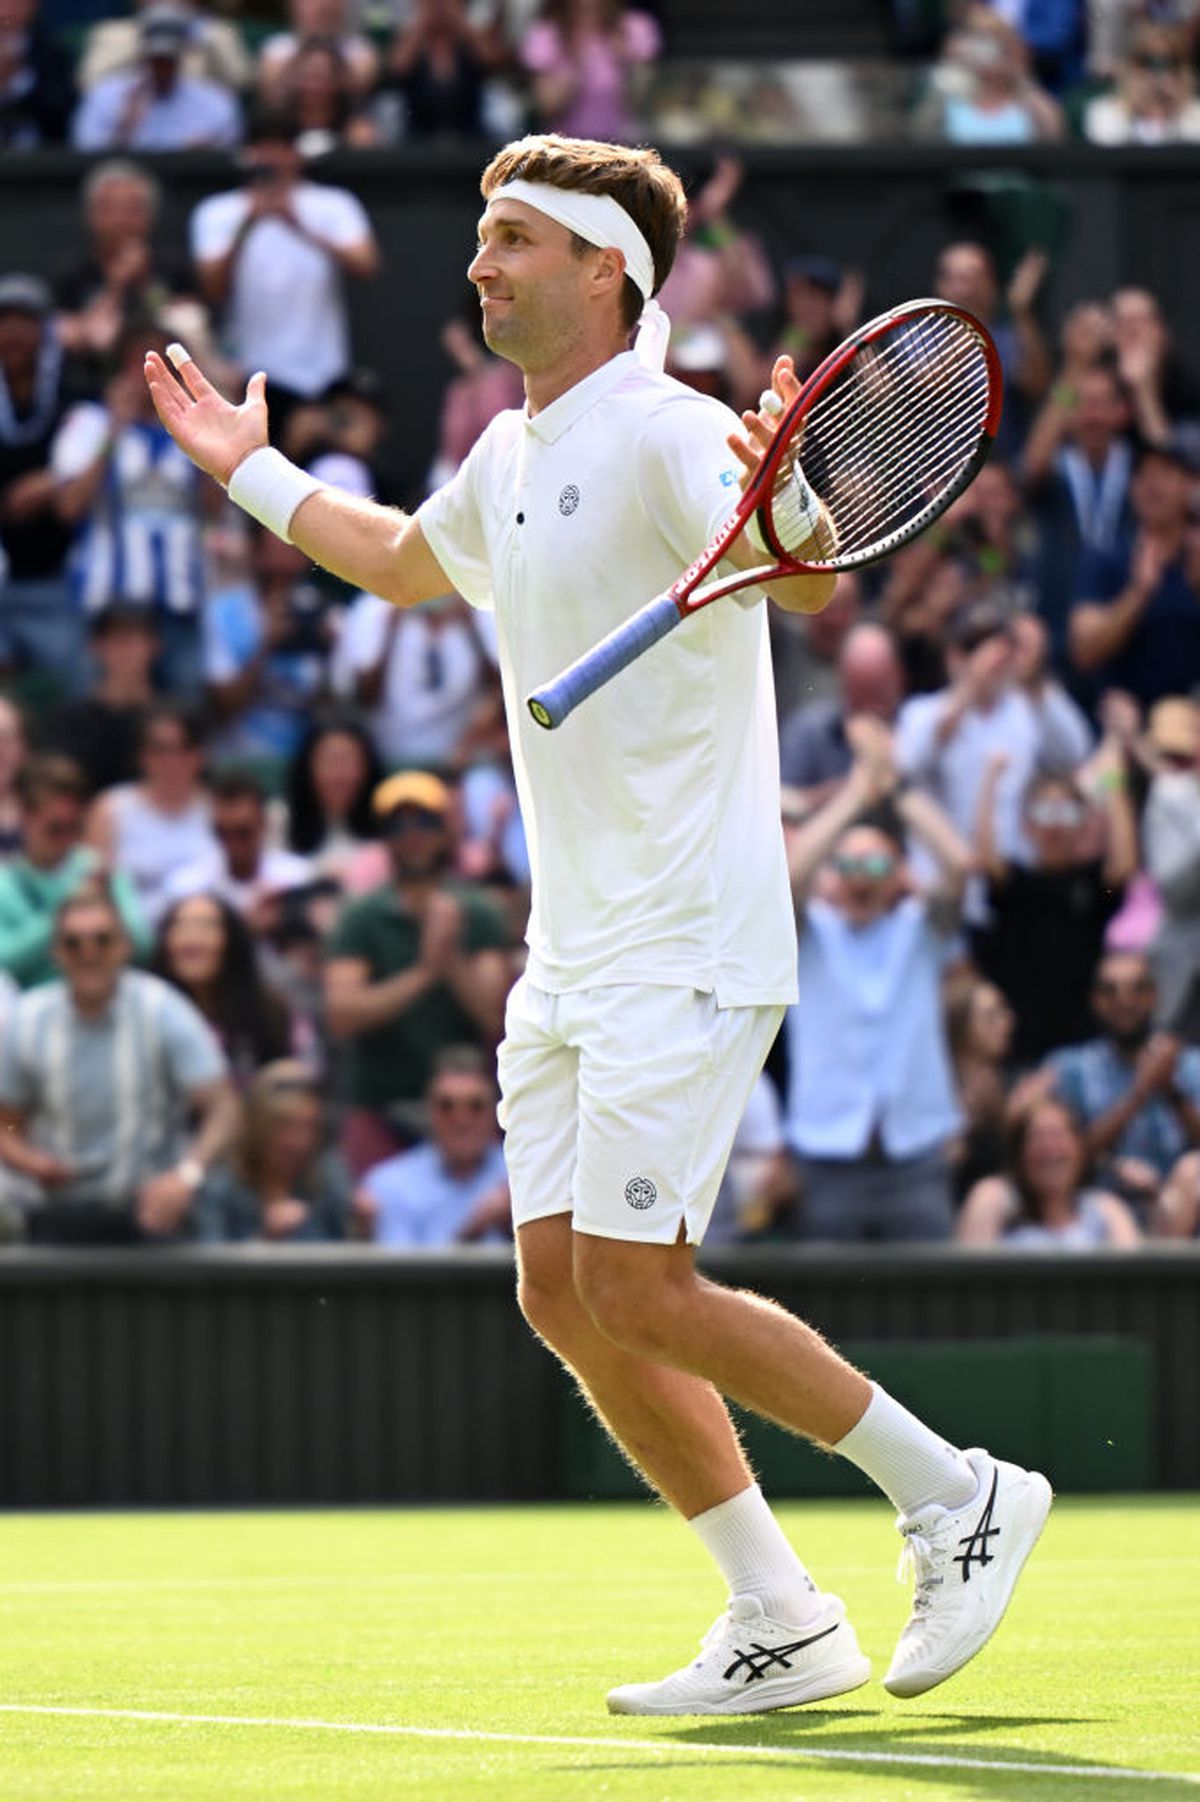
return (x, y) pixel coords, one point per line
(917, 1560)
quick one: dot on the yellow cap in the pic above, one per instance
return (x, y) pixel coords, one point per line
(411, 788)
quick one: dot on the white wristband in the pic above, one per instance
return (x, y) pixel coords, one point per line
(270, 489)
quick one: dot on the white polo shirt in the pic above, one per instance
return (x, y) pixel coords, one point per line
(652, 814)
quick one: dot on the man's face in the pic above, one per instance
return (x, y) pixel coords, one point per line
(119, 209)
(417, 843)
(1100, 412)
(1123, 999)
(965, 278)
(1161, 493)
(90, 948)
(239, 826)
(270, 165)
(868, 875)
(462, 1118)
(20, 338)
(531, 285)
(53, 827)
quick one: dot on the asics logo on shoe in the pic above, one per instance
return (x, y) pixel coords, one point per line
(760, 1659)
(976, 1542)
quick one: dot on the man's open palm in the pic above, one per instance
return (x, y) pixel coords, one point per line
(216, 435)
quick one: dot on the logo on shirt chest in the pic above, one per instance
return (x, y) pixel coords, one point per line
(568, 500)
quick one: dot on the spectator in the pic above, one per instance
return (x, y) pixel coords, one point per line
(101, 731)
(53, 867)
(205, 950)
(1171, 839)
(331, 781)
(1153, 102)
(328, 21)
(760, 1187)
(982, 89)
(1176, 1212)
(122, 275)
(966, 276)
(36, 89)
(320, 97)
(814, 747)
(453, 1188)
(1161, 388)
(871, 1106)
(38, 619)
(273, 254)
(483, 386)
(242, 868)
(416, 965)
(979, 1030)
(357, 424)
(99, 1074)
(1079, 468)
(266, 644)
(1048, 918)
(1136, 1090)
(438, 64)
(583, 57)
(1045, 1202)
(1138, 626)
(1000, 699)
(214, 49)
(806, 647)
(420, 674)
(282, 1184)
(150, 828)
(12, 758)
(155, 105)
(135, 500)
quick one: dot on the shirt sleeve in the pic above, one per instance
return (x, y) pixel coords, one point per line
(453, 526)
(336, 214)
(687, 474)
(78, 441)
(1068, 1080)
(193, 1056)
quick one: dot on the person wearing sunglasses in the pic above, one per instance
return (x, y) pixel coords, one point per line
(114, 1094)
(1136, 1088)
(418, 964)
(1047, 917)
(871, 1107)
(453, 1188)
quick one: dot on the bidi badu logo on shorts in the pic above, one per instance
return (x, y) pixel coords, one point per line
(640, 1192)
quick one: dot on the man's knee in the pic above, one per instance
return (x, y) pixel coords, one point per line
(545, 1279)
(630, 1292)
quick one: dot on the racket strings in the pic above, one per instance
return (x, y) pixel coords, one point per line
(896, 431)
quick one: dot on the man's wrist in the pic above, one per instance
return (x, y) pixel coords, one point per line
(271, 489)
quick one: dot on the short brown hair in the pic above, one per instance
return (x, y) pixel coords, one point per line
(639, 180)
(50, 778)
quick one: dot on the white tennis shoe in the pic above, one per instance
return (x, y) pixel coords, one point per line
(965, 1563)
(750, 1663)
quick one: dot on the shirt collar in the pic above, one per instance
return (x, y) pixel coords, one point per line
(550, 424)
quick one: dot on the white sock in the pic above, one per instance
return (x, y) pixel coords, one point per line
(756, 1558)
(912, 1465)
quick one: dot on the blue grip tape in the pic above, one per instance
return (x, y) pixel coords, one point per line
(551, 704)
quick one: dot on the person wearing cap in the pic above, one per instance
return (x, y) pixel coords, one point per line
(156, 105)
(1000, 699)
(39, 623)
(416, 965)
(662, 947)
(1136, 626)
(215, 49)
(273, 255)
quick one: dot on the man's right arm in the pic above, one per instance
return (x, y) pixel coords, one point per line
(374, 548)
(354, 1004)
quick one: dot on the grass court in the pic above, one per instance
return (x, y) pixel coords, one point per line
(463, 1656)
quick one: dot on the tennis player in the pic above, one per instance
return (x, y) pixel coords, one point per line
(662, 946)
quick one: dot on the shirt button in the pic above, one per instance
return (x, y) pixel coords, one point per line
(520, 519)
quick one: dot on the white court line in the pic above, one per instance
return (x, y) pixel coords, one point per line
(615, 1742)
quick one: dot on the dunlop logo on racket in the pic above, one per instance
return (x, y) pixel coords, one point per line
(893, 426)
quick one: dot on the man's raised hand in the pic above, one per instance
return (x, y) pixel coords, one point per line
(214, 433)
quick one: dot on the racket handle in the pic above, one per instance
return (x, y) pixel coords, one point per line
(551, 703)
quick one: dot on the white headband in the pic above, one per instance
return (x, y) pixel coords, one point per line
(596, 218)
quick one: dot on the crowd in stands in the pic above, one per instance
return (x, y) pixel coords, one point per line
(177, 75)
(263, 876)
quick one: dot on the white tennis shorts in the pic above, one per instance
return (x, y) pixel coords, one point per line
(620, 1104)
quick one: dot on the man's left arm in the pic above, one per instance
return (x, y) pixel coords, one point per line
(163, 1201)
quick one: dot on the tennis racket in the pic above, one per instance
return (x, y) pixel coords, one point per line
(882, 437)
